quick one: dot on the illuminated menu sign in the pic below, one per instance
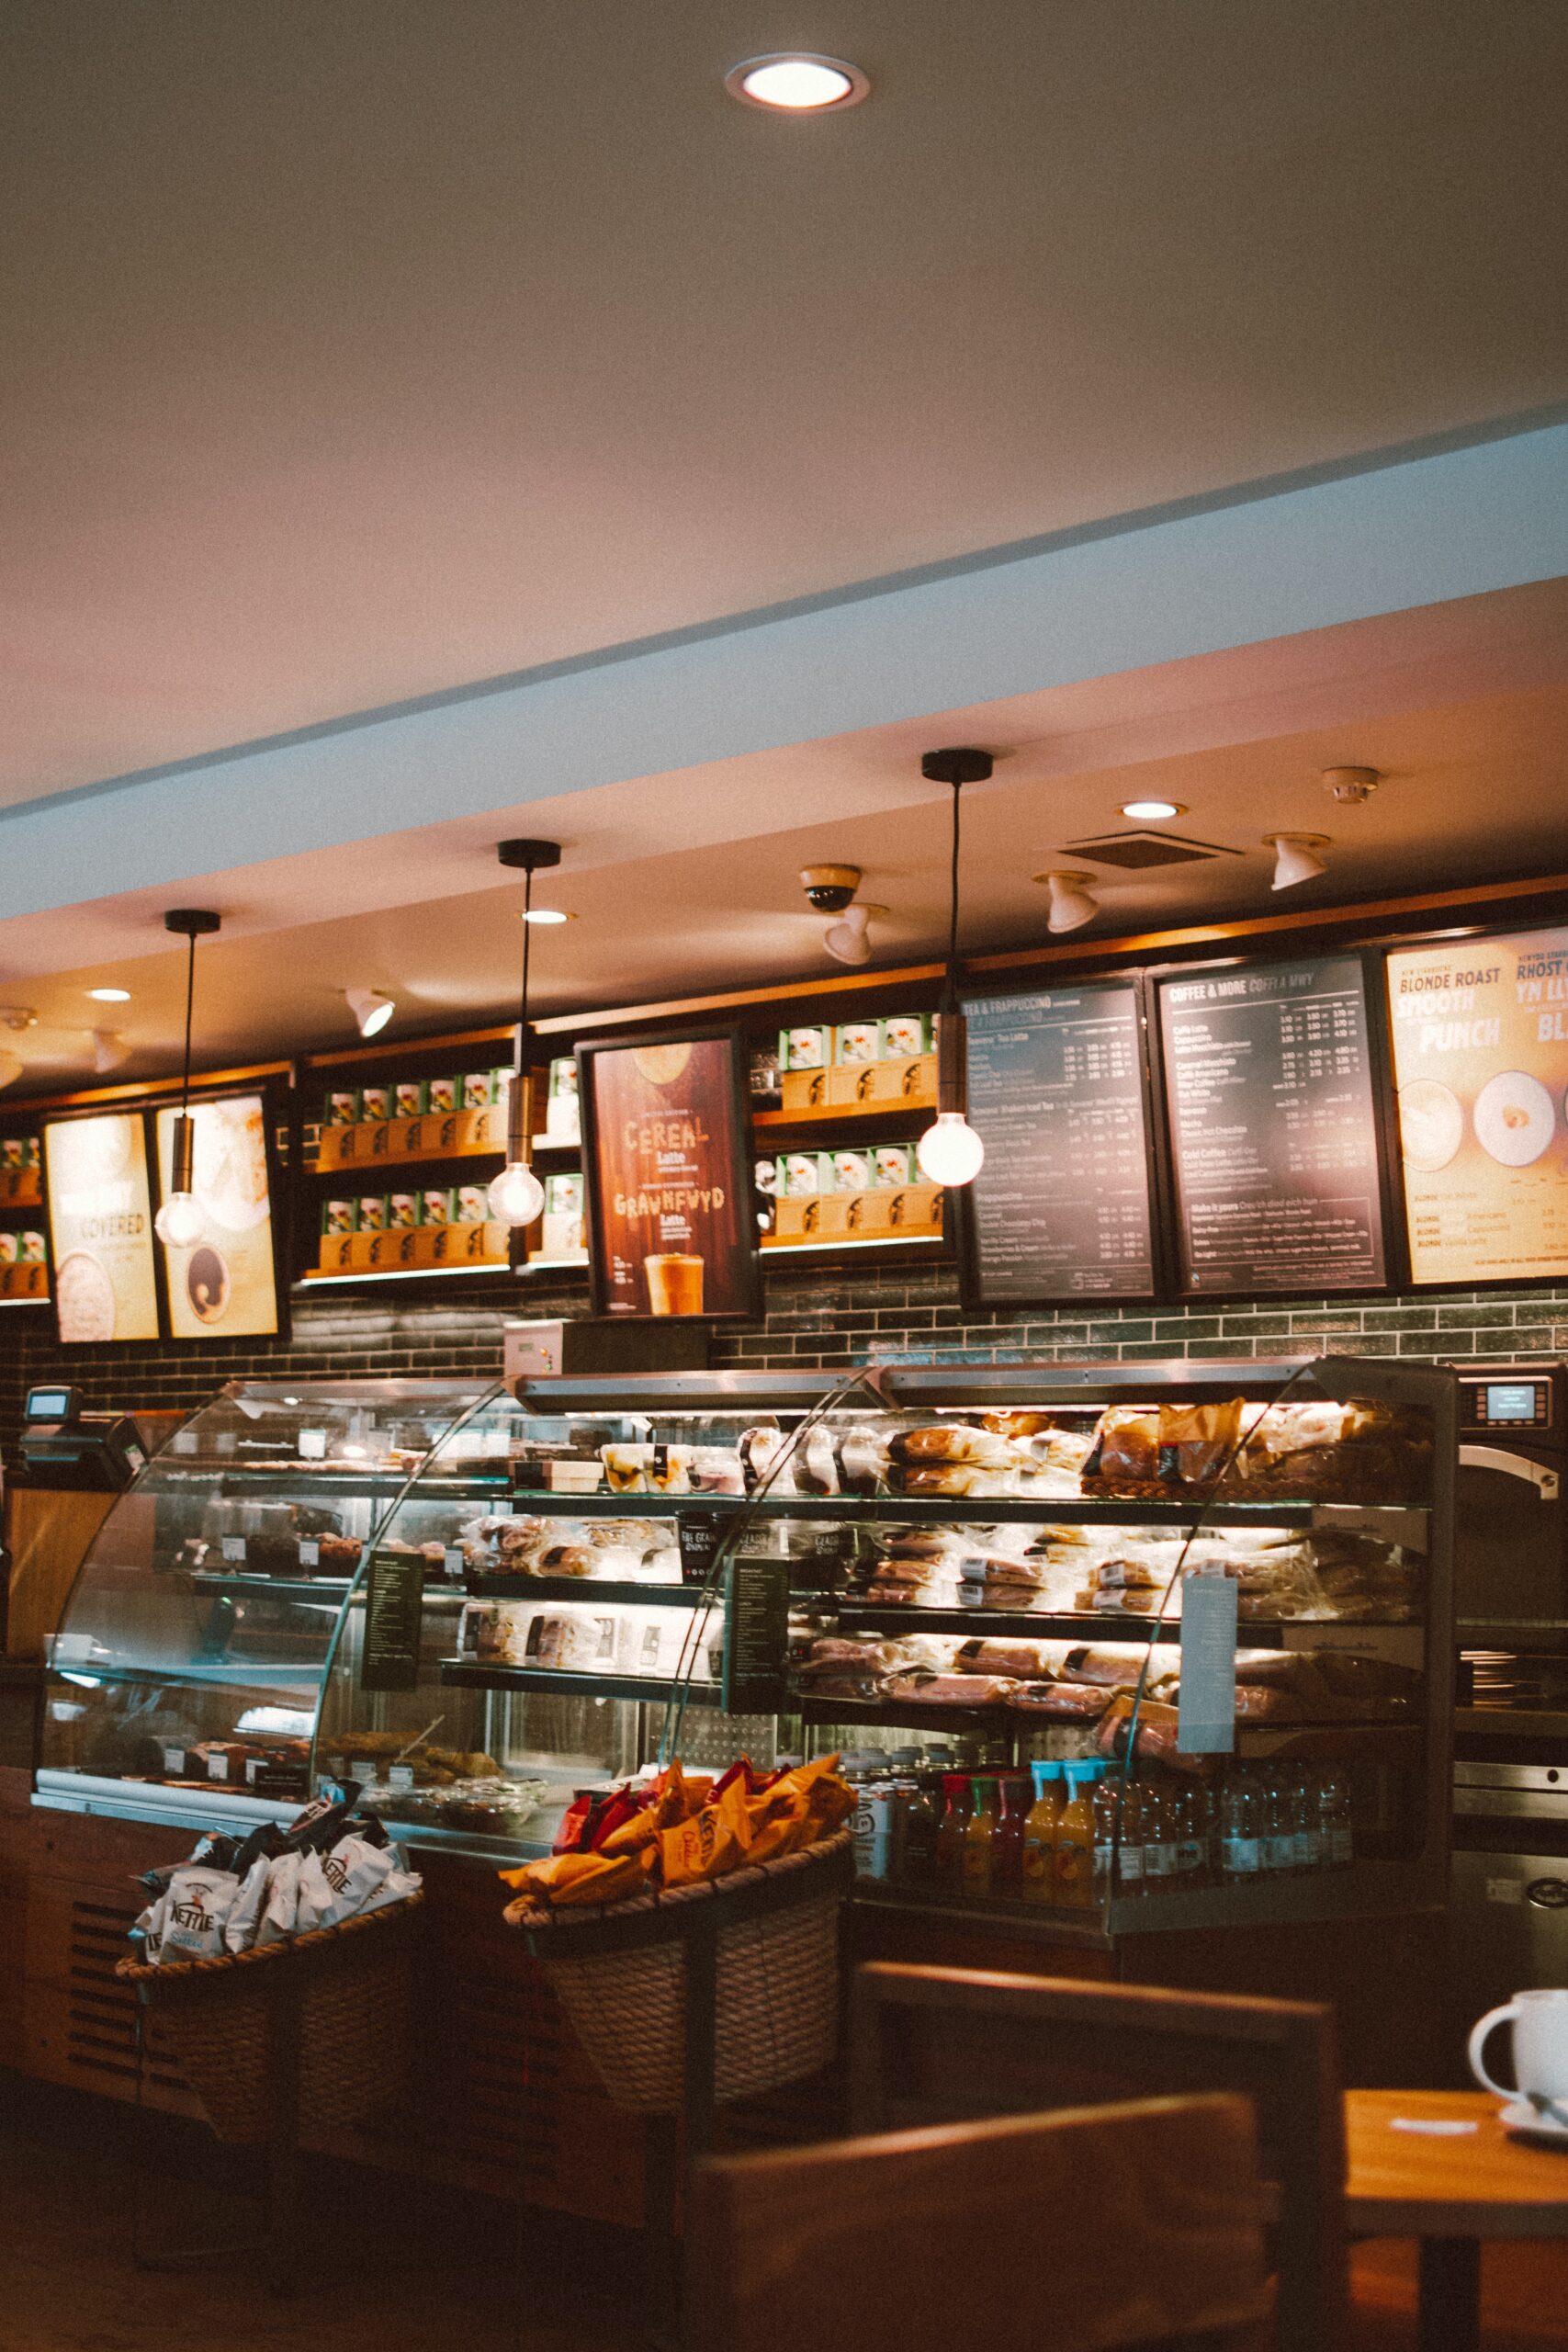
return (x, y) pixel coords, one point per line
(224, 1285)
(1061, 1207)
(1481, 1065)
(666, 1129)
(101, 1227)
(1273, 1129)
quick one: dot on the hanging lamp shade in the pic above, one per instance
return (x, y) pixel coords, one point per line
(950, 1152)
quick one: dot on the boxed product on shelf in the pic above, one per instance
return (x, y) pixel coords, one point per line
(340, 1216)
(32, 1250)
(562, 1234)
(375, 1102)
(479, 1091)
(438, 1205)
(808, 1047)
(403, 1212)
(441, 1095)
(343, 1107)
(562, 1122)
(10, 1245)
(858, 1041)
(472, 1205)
(11, 1152)
(906, 1036)
(411, 1098)
(372, 1212)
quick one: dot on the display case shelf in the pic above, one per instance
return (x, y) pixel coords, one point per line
(464, 1674)
(1061, 1626)
(935, 1511)
(483, 1587)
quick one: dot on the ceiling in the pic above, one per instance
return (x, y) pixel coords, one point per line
(358, 353)
(690, 881)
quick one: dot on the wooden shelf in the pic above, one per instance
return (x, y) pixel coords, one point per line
(371, 1144)
(21, 1188)
(800, 1111)
(24, 1285)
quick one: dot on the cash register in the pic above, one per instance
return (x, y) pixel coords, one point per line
(64, 1448)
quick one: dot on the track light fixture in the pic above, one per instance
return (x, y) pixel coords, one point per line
(110, 1049)
(846, 940)
(517, 1197)
(1072, 905)
(179, 1224)
(950, 1152)
(11, 1067)
(1295, 858)
(371, 1009)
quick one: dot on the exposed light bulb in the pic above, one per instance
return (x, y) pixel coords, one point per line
(110, 1049)
(846, 940)
(1071, 904)
(179, 1224)
(516, 1195)
(371, 1009)
(1295, 858)
(950, 1152)
(11, 1067)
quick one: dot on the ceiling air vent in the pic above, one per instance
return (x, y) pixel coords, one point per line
(1138, 849)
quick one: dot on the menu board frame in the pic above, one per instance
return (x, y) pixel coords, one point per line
(275, 1102)
(1473, 941)
(135, 1117)
(974, 1295)
(735, 1156)
(1369, 962)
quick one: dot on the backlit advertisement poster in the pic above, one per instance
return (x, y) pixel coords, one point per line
(101, 1227)
(225, 1285)
(1481, 1064)
(665, 1151)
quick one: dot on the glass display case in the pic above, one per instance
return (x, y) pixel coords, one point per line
(1107, 1648)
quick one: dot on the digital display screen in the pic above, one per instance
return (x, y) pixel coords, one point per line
(48, 1404)
(1510, 1400)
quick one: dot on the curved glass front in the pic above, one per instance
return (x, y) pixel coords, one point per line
(191, 1655)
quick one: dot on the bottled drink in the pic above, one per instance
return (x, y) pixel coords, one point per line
(1188, 1810)
(1279, 1830)
(915, 1833)
(1241, 1829)
(1107, 1802)
(1335, 1843)
(1305, 1832)
(1075, 1840)
(1130, 1866)
(980, 1839)
(1039, 1851)
(957, 1802)
(1159, 1838)
(1007, 1863)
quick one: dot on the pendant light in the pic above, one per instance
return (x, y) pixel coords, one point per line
(516, 1195)
(179, 1224)
(950, 1152)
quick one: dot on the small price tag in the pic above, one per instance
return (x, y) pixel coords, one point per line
(453, 1563)
(309, 1552)
(234, 1549)
(312, 1445)
(217, 1768)
(175, 1762)
(399, 1776)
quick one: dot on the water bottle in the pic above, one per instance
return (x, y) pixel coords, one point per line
(1304, 1830)
(1334, 1840)
(1159, 1841)
(1107, 1805)
(1241, 1840)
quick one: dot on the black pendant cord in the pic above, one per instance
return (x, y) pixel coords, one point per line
(953, 900)
(527, 936)
(190, 999)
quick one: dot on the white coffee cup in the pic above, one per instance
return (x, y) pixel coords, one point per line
(1539, 2019)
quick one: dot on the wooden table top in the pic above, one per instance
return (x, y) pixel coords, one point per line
(1481, 2183)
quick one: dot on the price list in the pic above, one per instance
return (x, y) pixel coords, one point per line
(1273, 1129)
(1061, 1208)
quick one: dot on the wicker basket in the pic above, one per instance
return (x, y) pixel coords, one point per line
(620, 1974)
(223, 2022)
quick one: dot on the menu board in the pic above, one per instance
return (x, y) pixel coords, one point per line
(101, 1226)
(1481, 1063)
(666, 1133)
(1061, 1207)
(225, 1286)
(1273, 1128)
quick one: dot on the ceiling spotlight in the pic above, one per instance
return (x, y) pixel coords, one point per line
(545, 914)
(11, 1067)
(370, 1009)
(796, 81)
(109, 996)
(1150, 812)
(846, 940)
(1351, 787)
(1295, 858)
(110, 1049)
(1071, 904)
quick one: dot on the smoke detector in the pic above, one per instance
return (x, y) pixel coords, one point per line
(1350, 787)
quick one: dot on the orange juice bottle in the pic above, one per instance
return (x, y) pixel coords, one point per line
(980, 1840)
(1040, 1832)
(1075, 1839)
(957, 1805)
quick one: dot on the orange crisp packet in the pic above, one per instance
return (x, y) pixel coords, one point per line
(574, 1878)
(705, 1846)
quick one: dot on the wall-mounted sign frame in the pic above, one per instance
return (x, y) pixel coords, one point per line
(1479, 1030)
(100, 1221)
(1272, 1085)
(231, 1283)
(1063, 1210)
(667, 1163)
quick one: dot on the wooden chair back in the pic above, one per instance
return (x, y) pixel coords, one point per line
(931, 2045)
(1136, 2224)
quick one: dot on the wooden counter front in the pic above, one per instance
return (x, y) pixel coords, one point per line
(48, 1536)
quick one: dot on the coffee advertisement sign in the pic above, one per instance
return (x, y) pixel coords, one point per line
(1481, 1064)
(101, 1223)
(225, 1285)
(665, 1149)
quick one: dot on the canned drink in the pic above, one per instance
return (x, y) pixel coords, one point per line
(876, 1810)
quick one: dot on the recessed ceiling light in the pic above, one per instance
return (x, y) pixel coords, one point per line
(795, 82)
(109, 996)
(545, 914)
(1149, 813)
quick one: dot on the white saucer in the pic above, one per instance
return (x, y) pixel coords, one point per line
(1521, 2115)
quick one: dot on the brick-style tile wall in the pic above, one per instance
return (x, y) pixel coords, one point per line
(812, 1318)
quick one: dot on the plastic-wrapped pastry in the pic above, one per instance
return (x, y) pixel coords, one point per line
(765, 1461)
(1075, 1702)
(948, 1690)
(952, 1442)
(1124, 1456)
